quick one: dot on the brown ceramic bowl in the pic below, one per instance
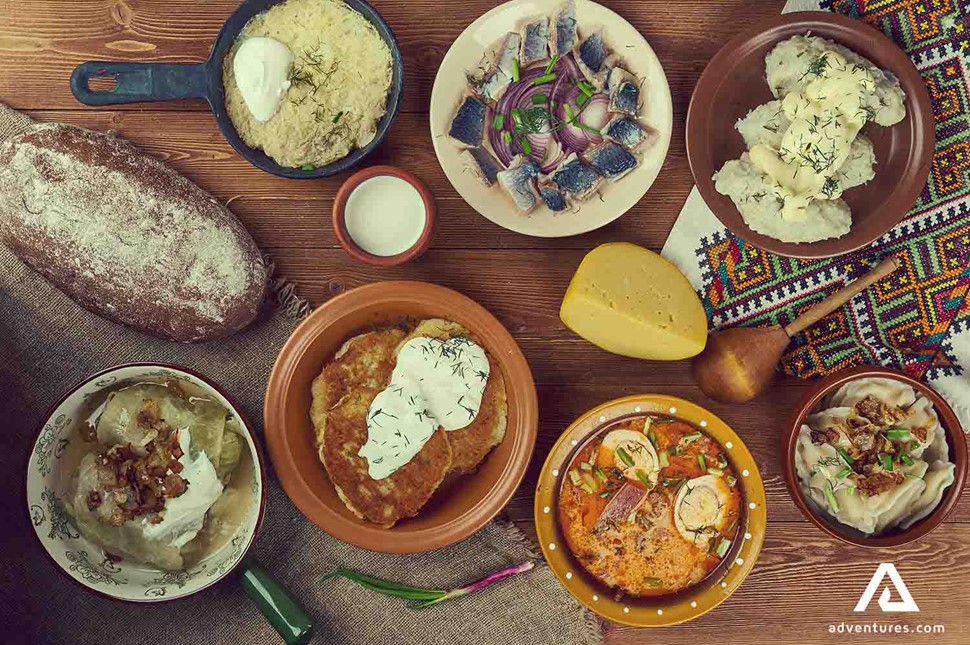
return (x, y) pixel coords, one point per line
(456, 511)
(955, 438)
(734, 82)
(340, 223)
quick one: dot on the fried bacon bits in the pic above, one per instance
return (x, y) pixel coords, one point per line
(135, 485)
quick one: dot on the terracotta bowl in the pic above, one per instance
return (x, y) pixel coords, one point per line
(663, 610)
(454, 512)
(340, 223)
(734, 82)
(954, 434)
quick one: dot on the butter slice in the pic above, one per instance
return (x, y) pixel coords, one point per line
(630, 301)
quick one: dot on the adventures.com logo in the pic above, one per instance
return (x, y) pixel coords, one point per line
(904, 603)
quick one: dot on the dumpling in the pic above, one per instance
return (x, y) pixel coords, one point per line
(939, 476)
(889, 391)
(118, 423)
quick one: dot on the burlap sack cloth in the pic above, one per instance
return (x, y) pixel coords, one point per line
(48, 344)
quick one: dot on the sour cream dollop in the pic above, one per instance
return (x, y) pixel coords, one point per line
(261, 67)
(184, 515)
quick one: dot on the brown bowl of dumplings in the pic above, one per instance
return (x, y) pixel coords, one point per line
(400, 417)
(874, 457)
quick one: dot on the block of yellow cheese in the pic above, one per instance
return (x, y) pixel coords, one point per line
(630, 301)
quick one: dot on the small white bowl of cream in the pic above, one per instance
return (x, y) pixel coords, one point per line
(384, 216)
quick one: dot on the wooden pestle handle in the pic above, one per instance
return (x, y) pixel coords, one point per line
(839, 298)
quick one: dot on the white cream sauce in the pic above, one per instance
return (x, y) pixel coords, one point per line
(385, 215)
(825, 119)
(261, 67)
(435, 384)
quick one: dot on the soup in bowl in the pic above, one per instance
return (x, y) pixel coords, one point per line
(650, 510)
(650, 505)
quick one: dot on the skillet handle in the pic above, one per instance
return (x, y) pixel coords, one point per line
(282, 612)
(136, 82)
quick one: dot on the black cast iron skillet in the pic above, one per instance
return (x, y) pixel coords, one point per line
(137, 82)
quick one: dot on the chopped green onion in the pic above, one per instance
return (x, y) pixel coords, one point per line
(722, 547)
(674, 450)
(585, 466)
(899, 434)
(664, 459)
(507, 137)
(605, 493)
(516, 118)
(582, 126)
(526, 146)
(722, 461)
(717, 472)
(337, 117)
(653, 438)
(581, 100)
(539, 99)
(907, 460)
(586, 88)
(850, 491)
(600, 475)
(653, 582)
(692, 437)
(308, 166)
(586, 487)
(499, 121)
(516, 70)
(830, 496)
(574, 477)
(552, 63)
(589, 481)
(570, 115)
(642, 476)
(702, 462)
(845, 456)
(886, 462)
(732, 480)
(845, 472)
(545, 78)
(624, 456)
(730, 527)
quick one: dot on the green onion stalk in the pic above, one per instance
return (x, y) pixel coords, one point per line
(420, 597)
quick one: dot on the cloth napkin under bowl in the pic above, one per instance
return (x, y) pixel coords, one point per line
(48, 344)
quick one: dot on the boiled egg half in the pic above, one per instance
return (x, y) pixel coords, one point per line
(701, 509)
(632, 453)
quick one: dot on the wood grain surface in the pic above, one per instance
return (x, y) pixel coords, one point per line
(804, 581)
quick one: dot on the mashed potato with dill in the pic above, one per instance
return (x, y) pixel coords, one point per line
(339, 83)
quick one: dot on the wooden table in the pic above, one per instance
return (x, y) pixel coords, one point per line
(804, 581)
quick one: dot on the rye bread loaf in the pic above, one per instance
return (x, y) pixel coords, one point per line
(126, 236)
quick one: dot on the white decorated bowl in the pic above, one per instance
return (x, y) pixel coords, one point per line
(48, 478)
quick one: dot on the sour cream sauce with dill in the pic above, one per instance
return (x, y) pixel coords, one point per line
(385, 215)
(434, 384)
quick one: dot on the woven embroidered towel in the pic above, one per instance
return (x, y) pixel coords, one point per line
(917, 320)
(48, 344)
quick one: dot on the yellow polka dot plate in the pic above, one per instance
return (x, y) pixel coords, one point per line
(654, 611)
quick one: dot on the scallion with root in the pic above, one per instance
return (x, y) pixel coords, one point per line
(420, 597)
